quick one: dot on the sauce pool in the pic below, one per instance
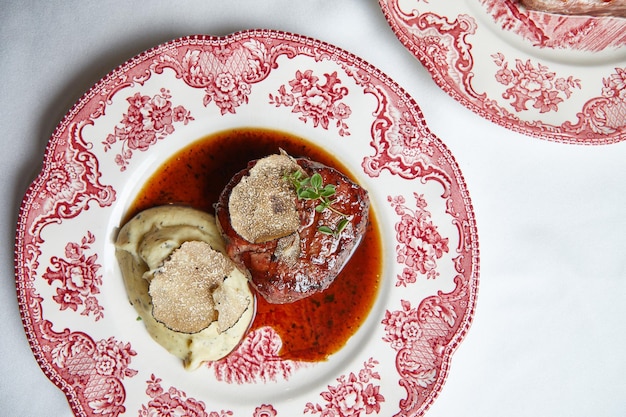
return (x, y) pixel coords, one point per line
(315, 327)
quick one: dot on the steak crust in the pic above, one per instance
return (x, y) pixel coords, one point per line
(306, 261)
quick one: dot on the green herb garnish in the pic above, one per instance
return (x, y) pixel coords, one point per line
(313, 188)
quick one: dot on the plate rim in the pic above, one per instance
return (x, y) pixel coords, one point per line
(21, 227)
(548, 132)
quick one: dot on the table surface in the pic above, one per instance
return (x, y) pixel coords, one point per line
(549, 330)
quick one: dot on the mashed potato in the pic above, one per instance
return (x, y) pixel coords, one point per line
(154, 243)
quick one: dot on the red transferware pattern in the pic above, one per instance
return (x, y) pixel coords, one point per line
(559, 78)
(82, 330)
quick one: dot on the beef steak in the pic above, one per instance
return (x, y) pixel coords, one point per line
(304, 261)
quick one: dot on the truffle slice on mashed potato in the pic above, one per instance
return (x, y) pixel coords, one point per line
(191, 297)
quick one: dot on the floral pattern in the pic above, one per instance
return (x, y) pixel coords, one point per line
(449, 41)
(615, 85)
(226, 72)
(256, 359)
(93, 369)
(608, 112)
(419, 242)
(413, 143)
(223, 73)
(63, 181)
(527, 83)
(228, 91)
(316, 101)
(79, 278)
(265, 410)
(147, 120)
(95, 373)
(70, 182)
(405, 332)
(174, 403)
(353, 396)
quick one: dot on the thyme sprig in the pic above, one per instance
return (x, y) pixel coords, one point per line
(313, 188)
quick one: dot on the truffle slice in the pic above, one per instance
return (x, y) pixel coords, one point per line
(182, 290)
(230, 304)
(262, 205)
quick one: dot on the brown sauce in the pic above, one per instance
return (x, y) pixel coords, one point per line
(313, 328)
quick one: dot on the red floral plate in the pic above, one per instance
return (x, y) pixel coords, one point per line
(81, 328)
(561, 78)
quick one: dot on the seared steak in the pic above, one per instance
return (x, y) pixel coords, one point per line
(305, 260)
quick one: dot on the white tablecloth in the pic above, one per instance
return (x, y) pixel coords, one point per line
(549, 333)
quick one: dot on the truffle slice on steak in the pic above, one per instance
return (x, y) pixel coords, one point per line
(262, 205)
(296, 259)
